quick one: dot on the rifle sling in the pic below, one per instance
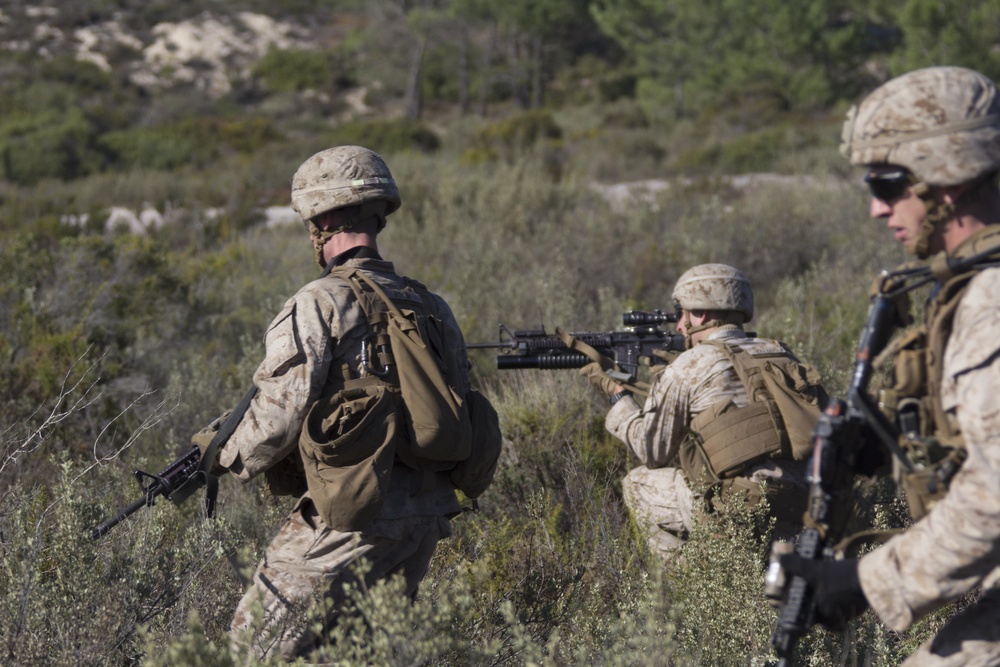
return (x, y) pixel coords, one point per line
(221, 437)
(226, 431)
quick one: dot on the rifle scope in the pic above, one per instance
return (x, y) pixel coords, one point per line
(645, 318)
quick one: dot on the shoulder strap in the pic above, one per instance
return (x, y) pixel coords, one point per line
(751, 374)
(747, 368)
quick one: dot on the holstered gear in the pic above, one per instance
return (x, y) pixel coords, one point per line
(726, 440)
(929, 436)
(410, 407)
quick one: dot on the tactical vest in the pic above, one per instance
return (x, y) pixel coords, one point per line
(785, 400)
(409, 406)
(930, 437)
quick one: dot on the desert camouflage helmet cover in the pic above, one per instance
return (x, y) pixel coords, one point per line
(715, 287)
(941, 123)
(339, 177)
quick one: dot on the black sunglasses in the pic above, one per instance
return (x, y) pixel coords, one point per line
(888, 186)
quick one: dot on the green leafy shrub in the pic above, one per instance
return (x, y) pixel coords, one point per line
(48, 144)
(513, 135)
(387, 136)
(189, 142)
(294, 70)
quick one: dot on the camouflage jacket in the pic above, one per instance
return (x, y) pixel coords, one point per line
(957, 545)
(692, 383)
(317, 332)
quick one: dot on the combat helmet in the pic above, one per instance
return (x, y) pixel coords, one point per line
(940, 123)
(715, 287)
(340, 177)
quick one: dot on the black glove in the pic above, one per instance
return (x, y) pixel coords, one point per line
(837, 588)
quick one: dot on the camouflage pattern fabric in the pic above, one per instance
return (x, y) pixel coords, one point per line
(307, 562)
(698, 379)
(941, 123)
(956, 547)
(660, 502)
(318, 332)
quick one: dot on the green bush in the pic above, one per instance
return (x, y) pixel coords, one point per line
(386, 136)
(292, 70)
(511, 136)
(49, 144)
(191, 142)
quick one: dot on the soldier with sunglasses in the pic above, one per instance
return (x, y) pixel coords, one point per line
(930, 140)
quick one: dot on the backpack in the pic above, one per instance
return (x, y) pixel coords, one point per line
(786, 398)
(794, 388)
(408, 408)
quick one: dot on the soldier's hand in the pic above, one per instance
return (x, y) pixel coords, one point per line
(600, 380)
(838, 593)
(203, 438)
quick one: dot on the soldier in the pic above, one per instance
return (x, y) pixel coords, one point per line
(931, 142)
(711, 419)
(315, 346)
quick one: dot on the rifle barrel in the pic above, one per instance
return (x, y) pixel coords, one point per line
(105, 527)
(543, 361)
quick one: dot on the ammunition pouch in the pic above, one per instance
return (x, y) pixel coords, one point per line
(287, 478)
(348, 444)
(934, 466)
(726, 440)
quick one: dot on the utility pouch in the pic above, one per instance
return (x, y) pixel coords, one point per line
(475, 474)
(934, 467)
(910, 367)
(730, 440)
(923, 491)
(287, 478)
(348, 444)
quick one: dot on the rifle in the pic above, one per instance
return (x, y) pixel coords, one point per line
(843, 432)
(642, 339)
(840, 440)
(176, 482)
(188, 473)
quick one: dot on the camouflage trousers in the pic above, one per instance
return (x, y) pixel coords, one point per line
(309, 562)
(661, 503)
(971, 638)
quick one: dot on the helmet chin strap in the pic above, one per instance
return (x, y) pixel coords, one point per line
(690, 329)
(937, 214)
(319, 237)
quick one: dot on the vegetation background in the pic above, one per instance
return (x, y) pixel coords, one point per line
(560, 161)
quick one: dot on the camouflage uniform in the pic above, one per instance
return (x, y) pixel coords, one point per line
(942, 126)
(657, 492)
(957, 545)
(318, 331)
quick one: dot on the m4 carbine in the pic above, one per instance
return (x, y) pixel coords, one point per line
(176, 483)
(190, 472)
(844, 444)
(643, 339)
(852, 436)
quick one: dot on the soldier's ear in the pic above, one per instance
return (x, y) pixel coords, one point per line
(953, 193)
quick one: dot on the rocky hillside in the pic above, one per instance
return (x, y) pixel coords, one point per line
(207, 52)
